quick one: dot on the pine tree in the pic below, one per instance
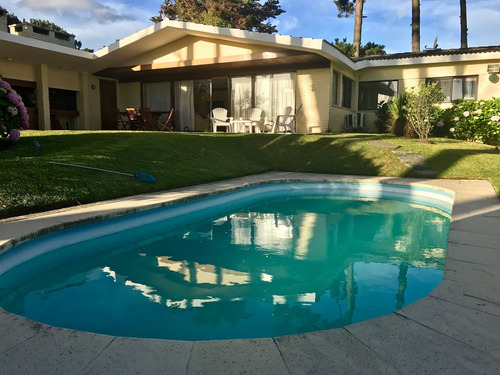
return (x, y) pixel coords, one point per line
(346, 8)
(240, 14)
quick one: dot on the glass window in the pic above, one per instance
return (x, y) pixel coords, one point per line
(335, 88)
(156, 96)
(346, 92)
(373, 94)
(457, 87)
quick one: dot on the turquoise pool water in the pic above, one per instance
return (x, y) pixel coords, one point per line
(265, 261)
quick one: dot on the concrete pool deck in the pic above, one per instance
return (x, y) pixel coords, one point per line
(456, 329)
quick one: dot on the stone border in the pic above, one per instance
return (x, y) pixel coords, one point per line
(454, 329)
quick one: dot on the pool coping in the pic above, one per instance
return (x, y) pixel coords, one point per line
(454, 329)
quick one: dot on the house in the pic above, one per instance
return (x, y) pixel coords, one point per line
(194, 68)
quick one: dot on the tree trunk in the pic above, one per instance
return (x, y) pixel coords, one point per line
(358, 21)
(415, 25)
(463, 24)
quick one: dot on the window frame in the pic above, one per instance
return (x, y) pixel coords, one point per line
(362, 108)
(346, 100)
(449, 97)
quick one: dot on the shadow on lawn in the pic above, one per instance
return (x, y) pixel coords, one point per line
(297, 153)
(444, 160)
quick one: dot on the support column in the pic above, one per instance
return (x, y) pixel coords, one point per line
(83, 104)
(42, 96)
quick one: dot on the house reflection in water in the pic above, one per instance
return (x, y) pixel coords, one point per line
(302, 263)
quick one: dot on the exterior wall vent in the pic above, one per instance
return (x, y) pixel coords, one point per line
(494, 68)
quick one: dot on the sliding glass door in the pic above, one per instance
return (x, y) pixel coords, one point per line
(194, 100)
(241, 97)
(184, 105)
(156, 96)
(202, 101)
(274, 93)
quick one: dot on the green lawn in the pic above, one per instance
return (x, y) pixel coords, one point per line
(30, 184)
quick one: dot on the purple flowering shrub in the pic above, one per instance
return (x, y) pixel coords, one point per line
(13, 114)
(477, 121)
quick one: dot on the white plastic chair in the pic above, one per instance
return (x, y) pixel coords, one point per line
(219, 119)
(255, 120)
(286, 121)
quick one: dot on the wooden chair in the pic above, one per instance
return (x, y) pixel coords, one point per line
(164, 121)
(121, 122)
(147, 119)
(134, 120)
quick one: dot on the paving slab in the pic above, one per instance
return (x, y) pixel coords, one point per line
(473, 239)
(473, 274)
(253, 356)
(481, 298)
(474, 254)
(384, 144)
(415, 349)
(412, 159)
(53, 351)
(15, 330)
(480, 224)
(469, 326)
(331, 352)
(138, 356)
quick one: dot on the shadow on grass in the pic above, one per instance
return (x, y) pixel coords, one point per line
(31, 184)
(486, 164)
(321, 154)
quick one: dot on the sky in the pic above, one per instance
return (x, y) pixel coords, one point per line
(98, 23)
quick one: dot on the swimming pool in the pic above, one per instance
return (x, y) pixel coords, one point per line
(265, 261)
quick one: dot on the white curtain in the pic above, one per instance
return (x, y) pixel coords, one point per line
(283, 93)
(469, 88)
(156, 96)
(241, 97)
(263, 96)
(184, 105)
(274, 93)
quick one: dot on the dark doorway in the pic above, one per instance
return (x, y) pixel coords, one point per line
(108, 104)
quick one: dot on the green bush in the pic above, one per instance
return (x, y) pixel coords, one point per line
(383, 116)
(421, 108)
(398, 122)
(475, 120)
(443, 121)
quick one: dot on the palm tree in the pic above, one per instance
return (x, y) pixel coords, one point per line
(415, 25)
(463, 23)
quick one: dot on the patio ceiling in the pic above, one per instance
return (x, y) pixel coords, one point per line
(258, 63)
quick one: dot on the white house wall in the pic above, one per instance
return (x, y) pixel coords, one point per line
(195, 48)
(313, 92)
(45, 78)
(409, 76)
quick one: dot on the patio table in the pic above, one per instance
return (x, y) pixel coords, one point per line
(239, 125)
